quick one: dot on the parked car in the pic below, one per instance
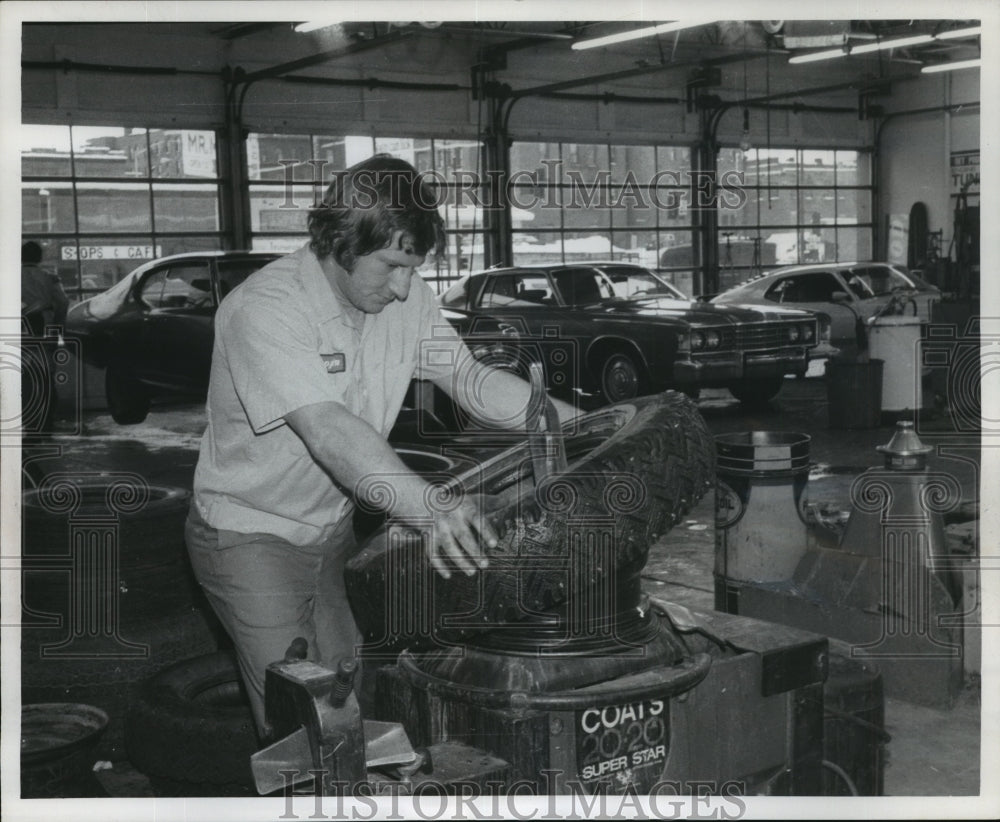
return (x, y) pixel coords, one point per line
(153, 330)
(846, 292)
(620, 330)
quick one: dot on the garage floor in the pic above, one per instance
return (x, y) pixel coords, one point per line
(933, 752)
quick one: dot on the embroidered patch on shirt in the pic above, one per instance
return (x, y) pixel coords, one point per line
(334, 363)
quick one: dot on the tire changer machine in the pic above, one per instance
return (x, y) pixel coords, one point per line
(588, 687)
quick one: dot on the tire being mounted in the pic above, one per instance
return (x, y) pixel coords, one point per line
(633, 470)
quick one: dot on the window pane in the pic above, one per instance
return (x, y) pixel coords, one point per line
(676, 249)
(47, 207)
(330, 154)
(541, 247)
(270, 156)
(585, 158)
(852, 168)
(45, 151)
(636, 163)
(780, 247)
(181, 245)
(673, 158)
(817, 206)
(818, 168)
(775, 166)
(460, 209)
(463, 254)
(416, 152)
(779, 206)
(672, 206)
(537, 207)
(857, 244)
(854, 206)
(531, 157)
(734, 212)
(283, 245)
(851, 245)
(634, 247)
(819, 245)
(103, 151)
(182, 153)
(587, 246)
(105, 260)
(456, 159)
(113, 207)
(733, 159)
(271, 209)
(577, 215)
(187, 208)
(740, 250)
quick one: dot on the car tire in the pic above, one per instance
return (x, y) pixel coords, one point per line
(152, 572)
(757, 393)
(621, 378)
(97, 672)
(634, 469)
(127, 398)
(191, 731)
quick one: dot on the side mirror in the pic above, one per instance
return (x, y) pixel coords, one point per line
(840, 297)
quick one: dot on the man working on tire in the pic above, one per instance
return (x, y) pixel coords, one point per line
(313, 356)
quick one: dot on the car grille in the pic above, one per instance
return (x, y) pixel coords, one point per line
(762, 336)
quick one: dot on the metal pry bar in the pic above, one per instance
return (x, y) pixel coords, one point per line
(545, 438)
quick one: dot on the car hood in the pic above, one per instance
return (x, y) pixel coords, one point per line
(692, 311)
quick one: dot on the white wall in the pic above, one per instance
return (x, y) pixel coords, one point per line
(916, 149)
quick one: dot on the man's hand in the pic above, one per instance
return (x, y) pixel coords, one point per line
(461, 535)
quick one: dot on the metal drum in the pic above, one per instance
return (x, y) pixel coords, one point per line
(760, 533)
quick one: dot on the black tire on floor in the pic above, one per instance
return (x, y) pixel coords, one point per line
(98, 672)
(128, 399)
(634, 470)
(190, 728)
(147, 523)
(757, 393)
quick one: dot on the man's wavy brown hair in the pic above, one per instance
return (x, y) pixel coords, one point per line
(367, 204)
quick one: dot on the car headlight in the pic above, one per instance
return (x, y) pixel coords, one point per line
(697, 340)
(712, 339)
(793, 333)
(808, 332)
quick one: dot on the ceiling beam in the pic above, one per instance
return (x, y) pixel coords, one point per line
(325, 56)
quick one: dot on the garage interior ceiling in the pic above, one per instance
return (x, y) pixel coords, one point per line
(757, 52)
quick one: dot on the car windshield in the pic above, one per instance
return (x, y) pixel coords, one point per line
(107, 303)
(457, 295)
(875, 281)
(636, 282)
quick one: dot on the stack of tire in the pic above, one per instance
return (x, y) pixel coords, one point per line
(96, 648)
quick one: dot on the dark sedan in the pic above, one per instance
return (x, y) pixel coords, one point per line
(619, 330)
(152, 330)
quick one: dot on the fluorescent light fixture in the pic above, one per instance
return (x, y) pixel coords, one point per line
(882, 45)
(954, 33)
(815, 56)
(898, 43)
(638, 34)
(958, 64)
(303, 28)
